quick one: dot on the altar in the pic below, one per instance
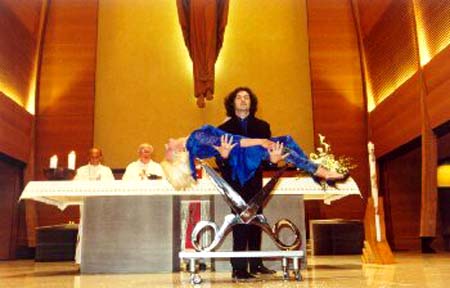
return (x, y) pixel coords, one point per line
(135, 226)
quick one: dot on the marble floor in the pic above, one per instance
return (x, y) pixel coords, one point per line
(411, 270)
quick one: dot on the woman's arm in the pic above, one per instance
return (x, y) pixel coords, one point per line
(226, 144)
(248, 142)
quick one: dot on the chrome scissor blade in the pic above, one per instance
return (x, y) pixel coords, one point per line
(259, 199)
(233, 199)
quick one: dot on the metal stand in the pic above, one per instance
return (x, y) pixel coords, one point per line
(295, 256)
(194, 278)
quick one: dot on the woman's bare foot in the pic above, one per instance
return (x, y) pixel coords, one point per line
(328, 174)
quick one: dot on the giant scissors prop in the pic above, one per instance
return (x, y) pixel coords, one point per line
(245, 213)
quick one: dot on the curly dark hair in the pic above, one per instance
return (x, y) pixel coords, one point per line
(229, 101)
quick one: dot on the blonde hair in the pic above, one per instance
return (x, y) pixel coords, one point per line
(178, 171)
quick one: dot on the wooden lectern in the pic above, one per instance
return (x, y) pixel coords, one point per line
(375, 251)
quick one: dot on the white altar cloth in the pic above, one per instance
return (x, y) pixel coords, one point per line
(66, 193)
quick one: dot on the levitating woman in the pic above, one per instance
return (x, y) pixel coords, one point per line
(244, 155)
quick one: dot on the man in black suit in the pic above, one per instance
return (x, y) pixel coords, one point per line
(241, 106)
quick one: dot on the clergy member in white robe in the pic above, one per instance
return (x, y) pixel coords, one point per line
(143, 168)
(93, 171)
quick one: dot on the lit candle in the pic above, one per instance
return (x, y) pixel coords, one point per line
(71, 160)
(53, 162)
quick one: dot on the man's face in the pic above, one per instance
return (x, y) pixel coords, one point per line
(95, 157)
(242, 101)
(145, 154)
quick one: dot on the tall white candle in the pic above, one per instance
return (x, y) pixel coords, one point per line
(377, 227)
(373, 174)
(71, 158)
(53, 162)
(374, 188)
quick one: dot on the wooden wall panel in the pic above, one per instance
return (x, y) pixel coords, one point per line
(402, 118)
(27, 12)
(390, 50)
(370, 13)
(10, 189)
(396, 120)
(437, 78)
(401, 188)
(65, 106)
(338, 101)
(433, 22)
(19, 23)
(444, 143)
(20, 34)
(15, 129)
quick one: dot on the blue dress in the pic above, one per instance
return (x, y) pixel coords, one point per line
(244, 161)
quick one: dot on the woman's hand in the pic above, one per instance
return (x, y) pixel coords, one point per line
(226, 145)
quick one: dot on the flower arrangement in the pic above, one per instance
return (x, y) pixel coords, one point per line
(326, 159)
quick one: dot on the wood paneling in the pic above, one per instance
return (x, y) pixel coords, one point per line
(433, 18)
(19, 22)
(10, 189)
(396, 120)
(437, 78)
(66, 96)
(390, 49)
(338, 101)
(444, 141)
(15, 129)
(65, 106)
(411, 111)
(27, 12)
(370, 13)
(20, 32)
(401, 189)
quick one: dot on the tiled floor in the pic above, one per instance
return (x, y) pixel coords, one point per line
(411, 270)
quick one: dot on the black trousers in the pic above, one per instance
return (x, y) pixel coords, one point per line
(246, 237)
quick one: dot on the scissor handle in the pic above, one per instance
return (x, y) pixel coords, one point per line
(198, 231)
(219, 234)
(231, 219)
(286, 223)
(274, 232)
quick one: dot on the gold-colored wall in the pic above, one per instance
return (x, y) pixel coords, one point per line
(144, 85)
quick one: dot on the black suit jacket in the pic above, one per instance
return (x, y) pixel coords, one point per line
(256, 128)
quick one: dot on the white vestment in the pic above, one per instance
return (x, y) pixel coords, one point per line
(139, 171)
(92, 173)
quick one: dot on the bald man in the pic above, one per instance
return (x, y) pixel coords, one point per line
(94, 170)
(143, 168)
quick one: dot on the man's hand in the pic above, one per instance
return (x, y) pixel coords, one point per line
(226, 145)
(276, 152)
